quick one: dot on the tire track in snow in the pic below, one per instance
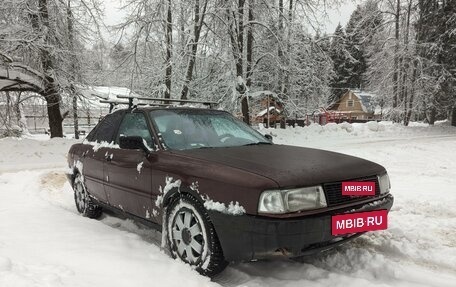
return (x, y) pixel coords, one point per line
(44, 242)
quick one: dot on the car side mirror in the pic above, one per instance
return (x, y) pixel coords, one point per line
(133, 142)
(268, 137)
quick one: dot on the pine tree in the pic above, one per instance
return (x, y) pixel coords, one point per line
(361, 27)
(355, 40)
(436, 38)
(341, 60)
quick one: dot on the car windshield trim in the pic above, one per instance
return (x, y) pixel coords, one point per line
(184, 129)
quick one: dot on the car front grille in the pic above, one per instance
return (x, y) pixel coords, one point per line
(334, 195)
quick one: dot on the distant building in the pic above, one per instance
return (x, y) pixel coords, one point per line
(266, 106)
(274, 115)
(354, 105)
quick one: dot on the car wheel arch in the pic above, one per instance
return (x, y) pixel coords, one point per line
(175, 192)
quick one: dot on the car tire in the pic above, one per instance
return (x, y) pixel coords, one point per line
(84, 203)
(191, 236)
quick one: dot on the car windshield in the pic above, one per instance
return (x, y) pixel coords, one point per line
(191, 129)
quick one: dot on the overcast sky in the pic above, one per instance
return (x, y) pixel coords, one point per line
(113, 14)
(340, 15)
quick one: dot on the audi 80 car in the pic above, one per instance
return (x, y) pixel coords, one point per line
(219, 191)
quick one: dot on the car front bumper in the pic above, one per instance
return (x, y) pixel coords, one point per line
(70, 178)
(248, 237)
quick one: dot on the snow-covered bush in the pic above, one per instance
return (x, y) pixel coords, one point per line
(375, 126)
(14, 131)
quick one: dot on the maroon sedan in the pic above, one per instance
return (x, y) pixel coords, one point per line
(220, 191)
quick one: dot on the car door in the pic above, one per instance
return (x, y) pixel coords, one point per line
(129, 174)
(94, 156)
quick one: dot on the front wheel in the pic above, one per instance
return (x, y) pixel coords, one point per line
(192, 237)
(84, 204)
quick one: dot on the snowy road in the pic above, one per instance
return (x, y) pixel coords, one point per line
(44, 242)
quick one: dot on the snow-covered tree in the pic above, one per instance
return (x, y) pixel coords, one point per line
(44, 37)
(409, 61)
(342, 60)
(436, 27)
(360, 30)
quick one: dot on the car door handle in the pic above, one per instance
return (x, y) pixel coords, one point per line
(108, 157)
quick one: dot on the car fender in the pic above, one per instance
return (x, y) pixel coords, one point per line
(175, 192)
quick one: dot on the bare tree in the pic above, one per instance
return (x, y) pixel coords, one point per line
(169, 44)
(198, 23)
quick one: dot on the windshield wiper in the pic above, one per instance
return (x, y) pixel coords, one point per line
(257, 143)
(205, 147)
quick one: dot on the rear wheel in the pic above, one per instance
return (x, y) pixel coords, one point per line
(84, 204)
(191, 236)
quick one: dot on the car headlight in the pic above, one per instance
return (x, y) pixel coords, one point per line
(291, 200)
(384, 183)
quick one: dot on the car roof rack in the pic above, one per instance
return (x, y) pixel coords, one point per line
(166, 102)
(130, 102)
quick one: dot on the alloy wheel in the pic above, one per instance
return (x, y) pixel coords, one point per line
(80, 195)
(187, 236)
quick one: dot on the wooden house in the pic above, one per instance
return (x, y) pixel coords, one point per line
(266, 106)
(354, 105)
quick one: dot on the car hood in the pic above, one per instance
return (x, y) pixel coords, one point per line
(289, 166)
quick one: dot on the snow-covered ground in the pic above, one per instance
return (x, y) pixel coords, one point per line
(44, 242)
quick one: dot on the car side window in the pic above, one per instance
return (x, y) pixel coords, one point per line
(135, 124)
(90, 137)
(107, 127)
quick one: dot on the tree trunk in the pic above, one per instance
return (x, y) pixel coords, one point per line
(74, 69)
(286, 88)
(404, 95)
(453, 116)
(8, 111)
(240, 34)
(182, 30)
(75, 116)
(406, 65)
(236, 47)
(249, 48)
(169, 43)
(53, 109)
(51, 90)
(198, 24)
(279, 47)
(432, 115)
(412, 94)
(396, 56)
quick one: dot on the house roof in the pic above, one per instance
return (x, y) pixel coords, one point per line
(366, 99)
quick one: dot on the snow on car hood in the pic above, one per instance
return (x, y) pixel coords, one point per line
(289, 166)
